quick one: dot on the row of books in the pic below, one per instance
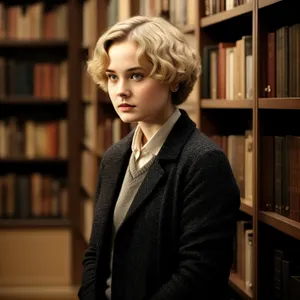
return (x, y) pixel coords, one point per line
(33, 139)
(216, 6)
(286, 270)
(178, 12)
(283, 60)
(242, 253)
(239, 150)
(33, 21)
(27, 78)
(227, 70)
(280, 179)
(32, 196)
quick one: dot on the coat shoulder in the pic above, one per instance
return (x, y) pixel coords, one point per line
(199, 145)
(202, 153)
(201, 156)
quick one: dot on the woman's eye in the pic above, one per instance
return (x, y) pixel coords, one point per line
(136, 76)
(112, 77)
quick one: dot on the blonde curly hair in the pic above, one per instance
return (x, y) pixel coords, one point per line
(161, 43)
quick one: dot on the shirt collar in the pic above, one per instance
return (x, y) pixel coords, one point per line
(155, 143)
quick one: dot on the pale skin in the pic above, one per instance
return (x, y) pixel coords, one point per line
(136, 97)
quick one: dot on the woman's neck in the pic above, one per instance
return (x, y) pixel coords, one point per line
(150, 128)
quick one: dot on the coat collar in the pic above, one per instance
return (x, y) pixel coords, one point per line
(117, 159)
(171, 149)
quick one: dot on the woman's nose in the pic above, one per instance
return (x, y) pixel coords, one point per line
(123, 89)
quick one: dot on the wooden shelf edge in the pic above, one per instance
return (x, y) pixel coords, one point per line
(246, 206)
(226, 15)
(281, 223)
(238, 285)
(279, 103)
(187, 29)
(41, 43)
(38, 292)
(225, 104)
(31, 100)
(265, 3)
(33, 160)
(35, 223)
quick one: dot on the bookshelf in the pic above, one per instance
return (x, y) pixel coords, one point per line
(225, 15)
(41, 114)
(271, 113)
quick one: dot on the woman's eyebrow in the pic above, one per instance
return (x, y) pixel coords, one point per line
(128, 70)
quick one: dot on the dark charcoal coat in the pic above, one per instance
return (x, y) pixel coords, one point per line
(176, 241)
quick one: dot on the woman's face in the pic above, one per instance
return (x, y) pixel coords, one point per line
(135, 96)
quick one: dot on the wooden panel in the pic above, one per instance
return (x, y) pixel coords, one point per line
(208, 103)
(34, 223)
(187, 29)
(28, 100)
(44, 161)
(264, 3)
(39, 293)
(246, 206)
(285, 225)
(34, 257)
(279, 103)
(33, 44)
(225, 15)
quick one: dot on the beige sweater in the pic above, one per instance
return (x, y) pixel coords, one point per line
(131, 183)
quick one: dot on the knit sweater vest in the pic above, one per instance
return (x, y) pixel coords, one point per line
(131, 183)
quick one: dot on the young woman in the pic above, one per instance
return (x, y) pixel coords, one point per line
(166, 200)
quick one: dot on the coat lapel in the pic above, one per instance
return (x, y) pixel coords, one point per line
(116, 161)
(155, 174)
(169, 153)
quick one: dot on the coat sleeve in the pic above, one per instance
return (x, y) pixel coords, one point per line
(211, 202)
(87, 288)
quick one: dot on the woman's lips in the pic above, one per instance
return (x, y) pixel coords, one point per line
(126, 107)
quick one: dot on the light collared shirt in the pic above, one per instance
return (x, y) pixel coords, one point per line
(143, 154)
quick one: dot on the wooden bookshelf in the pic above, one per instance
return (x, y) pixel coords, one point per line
(39, 293)
(35, 223)
(226, 15)
(23, 100)
(30, 161)
(264, 3)
(187, 29)
(279, 103)
(32, 44)
(274, 111)
(48, 50)
(246, 206)
(224, 104)
(238, 286)
(285, 225)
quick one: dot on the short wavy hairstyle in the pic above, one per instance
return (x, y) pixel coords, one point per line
(173, 60)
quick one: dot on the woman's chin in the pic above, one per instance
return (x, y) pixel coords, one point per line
(127, 118)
